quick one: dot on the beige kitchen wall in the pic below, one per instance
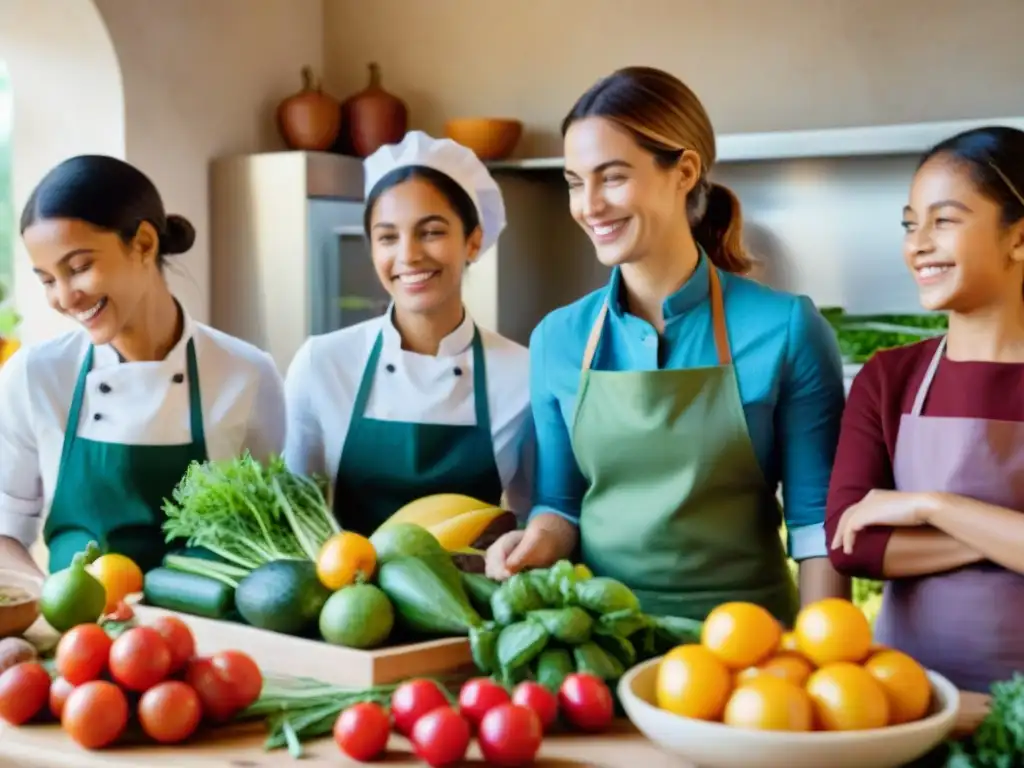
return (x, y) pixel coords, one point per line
(758, 65)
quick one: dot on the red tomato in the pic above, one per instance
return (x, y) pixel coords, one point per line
(179, 639)
(478, 696)
(215, 693)
(586, 702)
(510, 735)
(24, 691)
(412, 700)
(60, 689)
(538, 698)
(82, 653)
(95, 714)
(122, 612)
(139, 659)
(441, 737)
(170, 712)
(362, 731)
(242, 674)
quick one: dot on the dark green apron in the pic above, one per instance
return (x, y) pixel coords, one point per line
(113, 494)
(677, 506)
(386, 464)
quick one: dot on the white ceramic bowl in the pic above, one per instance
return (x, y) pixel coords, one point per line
(714, 745)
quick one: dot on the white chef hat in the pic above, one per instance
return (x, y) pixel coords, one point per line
(451, 159)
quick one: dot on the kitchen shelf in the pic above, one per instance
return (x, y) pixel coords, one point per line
(905, 138)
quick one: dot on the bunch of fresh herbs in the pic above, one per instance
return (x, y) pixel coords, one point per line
(999, 741)
(248, 513)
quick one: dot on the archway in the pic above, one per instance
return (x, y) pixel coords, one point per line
(67, 99)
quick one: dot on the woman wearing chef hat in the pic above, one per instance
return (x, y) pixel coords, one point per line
(421, 400)
(100, 424)
(673, 403)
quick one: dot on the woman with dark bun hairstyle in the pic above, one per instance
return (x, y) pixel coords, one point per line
(928, 487)
(98, 425)
(672, 404)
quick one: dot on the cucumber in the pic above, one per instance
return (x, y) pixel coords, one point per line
(424, 600)
(188, 593)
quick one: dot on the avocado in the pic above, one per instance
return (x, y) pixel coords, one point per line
(283, 596)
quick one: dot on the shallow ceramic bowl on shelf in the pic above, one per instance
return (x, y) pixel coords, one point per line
(714, 745)
(491, 138)
(19, 601)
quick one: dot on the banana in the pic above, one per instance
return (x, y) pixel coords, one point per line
(435, 509)
(460, 532)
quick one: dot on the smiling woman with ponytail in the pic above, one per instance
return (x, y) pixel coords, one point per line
(672, 404)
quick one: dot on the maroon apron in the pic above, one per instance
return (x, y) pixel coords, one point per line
(966, 624)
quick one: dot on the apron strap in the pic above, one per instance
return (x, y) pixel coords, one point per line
(480, 398)
(929, 376)
(195, 401)
(717, 321)
(366, 383)
(75, 411)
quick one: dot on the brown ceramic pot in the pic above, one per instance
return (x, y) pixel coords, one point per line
(373, 117)
(310, 119)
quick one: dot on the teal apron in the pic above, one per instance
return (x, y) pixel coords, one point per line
(113, 494)
(386, 464)
(677, 506)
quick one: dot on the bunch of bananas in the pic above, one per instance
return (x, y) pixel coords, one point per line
(455, 520)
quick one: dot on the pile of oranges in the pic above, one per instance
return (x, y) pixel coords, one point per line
(826, 674)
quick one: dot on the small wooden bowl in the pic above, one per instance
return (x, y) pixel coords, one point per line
(19, 601)
(491, 138)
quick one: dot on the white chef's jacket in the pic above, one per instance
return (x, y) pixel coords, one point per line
(325, 374)
(138, 403)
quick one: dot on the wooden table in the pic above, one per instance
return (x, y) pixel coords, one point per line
(46, 746)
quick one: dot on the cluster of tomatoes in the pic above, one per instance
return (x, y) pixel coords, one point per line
(151, 671)
(509, 727)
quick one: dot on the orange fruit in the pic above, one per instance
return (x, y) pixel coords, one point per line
(789, 642)
(693, 682)
(787, 665)
(119, 575)
(770, 703)
(832, 630)
(847, 698)
(741, 634)
(905, 684)
(344, 559)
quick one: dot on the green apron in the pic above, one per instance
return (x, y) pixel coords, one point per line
(386, 464)
(677, 506)
(112, 493)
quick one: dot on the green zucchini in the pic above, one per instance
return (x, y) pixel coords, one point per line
(593, 659)
(603, 595)
(424, 600)
(520, 643)
(570, 625)
(480, 589)
(553, 666)
(188, 593)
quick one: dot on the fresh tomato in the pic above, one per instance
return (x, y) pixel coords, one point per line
(170, 712)
(362, 731)
(82, 653)
(95, 714)
(538, 698)
(227, 683)
(586, 702)
(60, 689)
(122, 612)
(510, 735)
(242, 674)
(24, 691)
(441, 737)
(179, 639)
(139, 659)
(413, 699)
(478, 696)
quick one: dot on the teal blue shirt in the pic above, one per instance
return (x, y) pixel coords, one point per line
(787, 363)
